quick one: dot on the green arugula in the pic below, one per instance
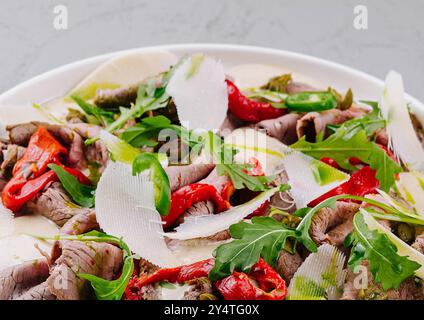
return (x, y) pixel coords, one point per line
(386, 266)
(105, 289)
(345, 144)
(94, 114)
(264, 237)
(146, 132)
(223, 155)
(370, 123)
(82, 194)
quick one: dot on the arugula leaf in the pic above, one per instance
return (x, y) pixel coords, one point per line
(224, 154)
(105, 289)
(265, 237)
(94, 114)
(345, 144)
(386, 266)
(370, 123)
(80, 193)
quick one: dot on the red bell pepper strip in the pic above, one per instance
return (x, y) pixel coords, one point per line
(42, 150)
(20, 190)
(361, 183)
(179, 274)
(249, 110)
(29, 173)
(239, 286)
(185, 197)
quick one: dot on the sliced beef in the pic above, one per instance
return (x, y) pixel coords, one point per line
(96, 152)
(180, 176)
(419, 243)
(287, 264)
(282, 200)
(419, 129)
(81, 223)
(410, 289)
(39, 292)
(55, 204)
(100, 259)
(16, 280)
(297, 87)
(112, 99)
(282, 128)
(11, 155)
(21, 133)
(230, 124)
(200, 289)
(207, 207)
(332, 225)
(313, 123)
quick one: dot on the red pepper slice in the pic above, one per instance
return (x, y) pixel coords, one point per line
(239, 286)
(185, 197)
(249, 110)
(42, 150)
(20, 190)
(361, 183)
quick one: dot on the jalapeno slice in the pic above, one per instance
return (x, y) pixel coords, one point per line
(311, 101)
(148, 161)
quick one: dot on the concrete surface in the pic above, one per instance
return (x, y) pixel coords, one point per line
(31, 45)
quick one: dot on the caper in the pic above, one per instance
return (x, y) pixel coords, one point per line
(406, 232)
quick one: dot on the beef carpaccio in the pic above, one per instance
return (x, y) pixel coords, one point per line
(187, 184)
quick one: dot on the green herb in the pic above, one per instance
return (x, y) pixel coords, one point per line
(386, 266)
(167, 285)
(94, 114)
(345, 144)
(224, 157)
(105, 289)
(264, 237)
(370, 123)
(80, 193)
(149, 161)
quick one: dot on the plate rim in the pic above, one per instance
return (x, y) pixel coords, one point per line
(199, 47)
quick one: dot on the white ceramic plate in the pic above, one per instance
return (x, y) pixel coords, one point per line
(17, 102)
(59, 81)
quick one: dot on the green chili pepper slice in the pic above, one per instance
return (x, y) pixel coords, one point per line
(149, 161)
(311, 101)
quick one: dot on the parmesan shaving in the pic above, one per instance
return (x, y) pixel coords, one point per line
(402, 136)
(125, 207)
(205, 226)
(200, 93)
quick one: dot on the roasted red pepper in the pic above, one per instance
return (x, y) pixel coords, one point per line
(29, 173)
(249, 110)
(42, 150)
(361, 183)
(179, 274)
(185, 197)
(241, 286)
(238, 286)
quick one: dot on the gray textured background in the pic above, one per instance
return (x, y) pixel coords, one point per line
(324, 28)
